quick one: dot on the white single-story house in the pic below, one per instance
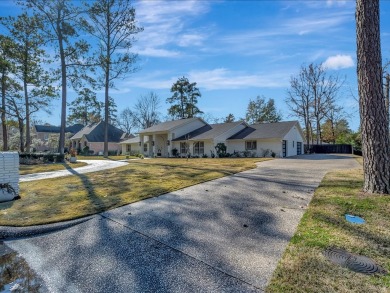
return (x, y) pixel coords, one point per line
(196, 137)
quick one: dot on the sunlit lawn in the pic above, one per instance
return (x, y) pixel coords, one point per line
(30, 169)
(65, 198)
(303, 268)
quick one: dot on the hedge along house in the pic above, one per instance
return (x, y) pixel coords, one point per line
(196, 137)
(285, 139)
(92, 136)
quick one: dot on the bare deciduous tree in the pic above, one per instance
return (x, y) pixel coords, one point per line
(311, 96)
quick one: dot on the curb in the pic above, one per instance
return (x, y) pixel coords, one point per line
(9, 232)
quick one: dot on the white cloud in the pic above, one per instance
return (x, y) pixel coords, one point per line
(339, 62)
(187, 40)
(215, 79)
(166, 25)
(222, 78)
(336, 2)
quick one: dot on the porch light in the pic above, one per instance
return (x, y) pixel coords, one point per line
(152, 142)
(168, 142)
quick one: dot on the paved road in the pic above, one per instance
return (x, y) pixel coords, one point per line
(93, 166)
(226, 235)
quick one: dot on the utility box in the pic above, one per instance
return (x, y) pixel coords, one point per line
(9, 176)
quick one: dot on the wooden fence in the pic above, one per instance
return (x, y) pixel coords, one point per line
(329, 149)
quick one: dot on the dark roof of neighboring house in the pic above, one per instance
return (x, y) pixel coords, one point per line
(56, 129)
(168, 125)
(209, 131)
(266, 130)
(95, 133)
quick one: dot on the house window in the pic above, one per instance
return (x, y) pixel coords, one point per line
(45, 137)
(145, 147)
(85, 143)
(251, 145)
(198, 148)
(183, 148)
(128, 148)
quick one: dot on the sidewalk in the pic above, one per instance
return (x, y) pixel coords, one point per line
(93, 166)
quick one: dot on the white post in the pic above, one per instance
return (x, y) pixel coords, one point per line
(9, 175)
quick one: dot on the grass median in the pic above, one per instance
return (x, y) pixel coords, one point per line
(65, 198)
(303, 268)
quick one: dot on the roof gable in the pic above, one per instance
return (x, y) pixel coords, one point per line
(95, 133)
(170, 125)
(209, 131)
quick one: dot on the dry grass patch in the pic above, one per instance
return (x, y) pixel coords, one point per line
(30, 169)
(65, 198)
(303, 268)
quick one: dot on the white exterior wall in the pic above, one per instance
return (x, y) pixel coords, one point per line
(238, 145)
(184, 129)
(9, 174)
(292, 137)
(208, 147)
(134, 147)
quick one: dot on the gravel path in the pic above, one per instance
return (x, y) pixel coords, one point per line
(93, 166)
(226, 235)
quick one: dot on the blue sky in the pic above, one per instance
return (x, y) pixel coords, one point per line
(237, 50)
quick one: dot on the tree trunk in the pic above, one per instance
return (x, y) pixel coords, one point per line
(21, 133)
(373, 119)
(27, 102)
(3, 117)
(61, 143)
(387, 94)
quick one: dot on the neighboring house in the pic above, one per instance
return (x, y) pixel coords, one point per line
(43, 132)
(197, 137)
(93, 136)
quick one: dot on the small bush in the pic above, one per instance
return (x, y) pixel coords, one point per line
(85, 151)
(175, 152)
(205, 156)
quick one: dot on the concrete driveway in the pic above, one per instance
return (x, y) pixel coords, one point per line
(226, 235)
(93, 166)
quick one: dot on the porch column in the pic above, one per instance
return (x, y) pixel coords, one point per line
(141, 144)
(154, 145)
(169, 145)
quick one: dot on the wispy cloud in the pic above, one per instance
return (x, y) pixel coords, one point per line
(217, 79)
(339, 62)
(166, 26)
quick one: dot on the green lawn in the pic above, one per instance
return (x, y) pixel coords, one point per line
(303, 268)
(59, 199)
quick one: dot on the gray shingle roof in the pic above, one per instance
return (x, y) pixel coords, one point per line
(209, 131)
(265, 130)
(56, 129)
(169, 125)
(95, 133)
